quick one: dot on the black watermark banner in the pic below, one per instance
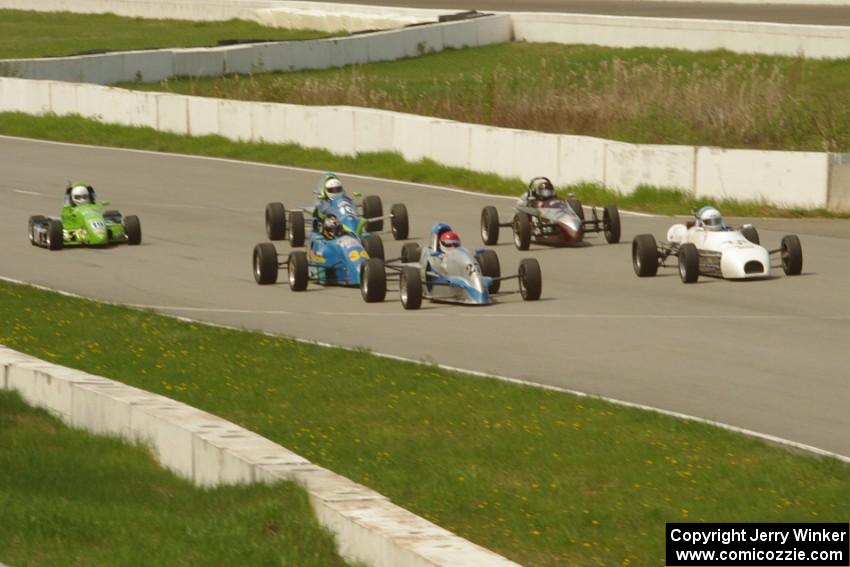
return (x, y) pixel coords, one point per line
(758, 545)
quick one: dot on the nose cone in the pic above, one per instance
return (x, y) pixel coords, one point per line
(97, 233)
(572, 230)
(481, 285)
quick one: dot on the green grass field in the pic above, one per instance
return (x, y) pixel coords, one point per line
(542, 477)
(635, 95)
(387, 165)
(69, 498)
(50, 34)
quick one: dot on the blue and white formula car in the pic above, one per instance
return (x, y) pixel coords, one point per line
(447, 272)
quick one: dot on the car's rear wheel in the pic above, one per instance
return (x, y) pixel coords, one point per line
(372, 208)
(265, 263)
(530, 279)
(373, 280)
(688, 263)
(410, 252)
(410, 288)
(298, 270)
(575, 205)
(791, 252)
(611, 224)
(399, 222)
(34, 220)
(522, 231)
(55, 238)
(275, 221)
(295, 229)
(374, 246)
(490, 226)
(750, 233)
(490, 267)
(645, 255)
(133, 228)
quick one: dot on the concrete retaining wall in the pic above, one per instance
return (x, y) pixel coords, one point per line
(211, 451)
(839, 182)
(158, 65)
(696, 35)
(801, 179)
(321, 16)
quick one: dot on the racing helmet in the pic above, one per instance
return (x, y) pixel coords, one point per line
(541, 188)
(449, 239)
(331, 227)
(80, 195)
(710, 218)
(333, 186)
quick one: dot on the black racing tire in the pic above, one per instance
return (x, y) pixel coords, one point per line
(265, 263)
(645, 255)
(490, 226)
(55, 236)
(295, 229)
(275, 221)
(750, 233)
(298, 270)
(522, 231)
(688, 263)
(372, 207)
(399, 222)
(611, 224)
(575, 205)
(374, 246)
(411, 252)
(373, 280)
(133, 228)
(530, 279)
(791, 252)
(35, 219)
(490, 267)
(410, 288)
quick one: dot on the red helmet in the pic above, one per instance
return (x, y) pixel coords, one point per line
(449, 239)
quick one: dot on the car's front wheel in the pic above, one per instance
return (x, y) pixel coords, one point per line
(373, 280)
(55, 238)
(645, 255)
(688, 263)
(410, 288)
(265, 263)
(791, 252)
(134, 230)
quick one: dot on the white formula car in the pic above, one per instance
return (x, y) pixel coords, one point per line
(709, 247)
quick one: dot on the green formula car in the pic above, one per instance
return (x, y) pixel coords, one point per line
(84, 223)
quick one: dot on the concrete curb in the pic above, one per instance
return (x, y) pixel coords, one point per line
(211, 451)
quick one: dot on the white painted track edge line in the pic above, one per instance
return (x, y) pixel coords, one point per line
(290, 168)
(622, 403)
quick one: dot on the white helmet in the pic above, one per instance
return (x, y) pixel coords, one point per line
(333, 186)
(80, 195)
(710, 218)
(541, 188)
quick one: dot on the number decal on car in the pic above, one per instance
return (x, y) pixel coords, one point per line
(355, 255)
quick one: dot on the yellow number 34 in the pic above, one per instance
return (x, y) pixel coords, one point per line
(355, 255)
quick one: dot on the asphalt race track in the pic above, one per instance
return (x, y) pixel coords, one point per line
(754, 12)
(770, 356)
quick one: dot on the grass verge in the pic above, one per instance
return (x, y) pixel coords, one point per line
(26, 34)
(69, 498)
(542, 477)
(387, 165)
(639, 95)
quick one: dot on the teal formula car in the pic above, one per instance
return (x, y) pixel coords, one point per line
(84, 223)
